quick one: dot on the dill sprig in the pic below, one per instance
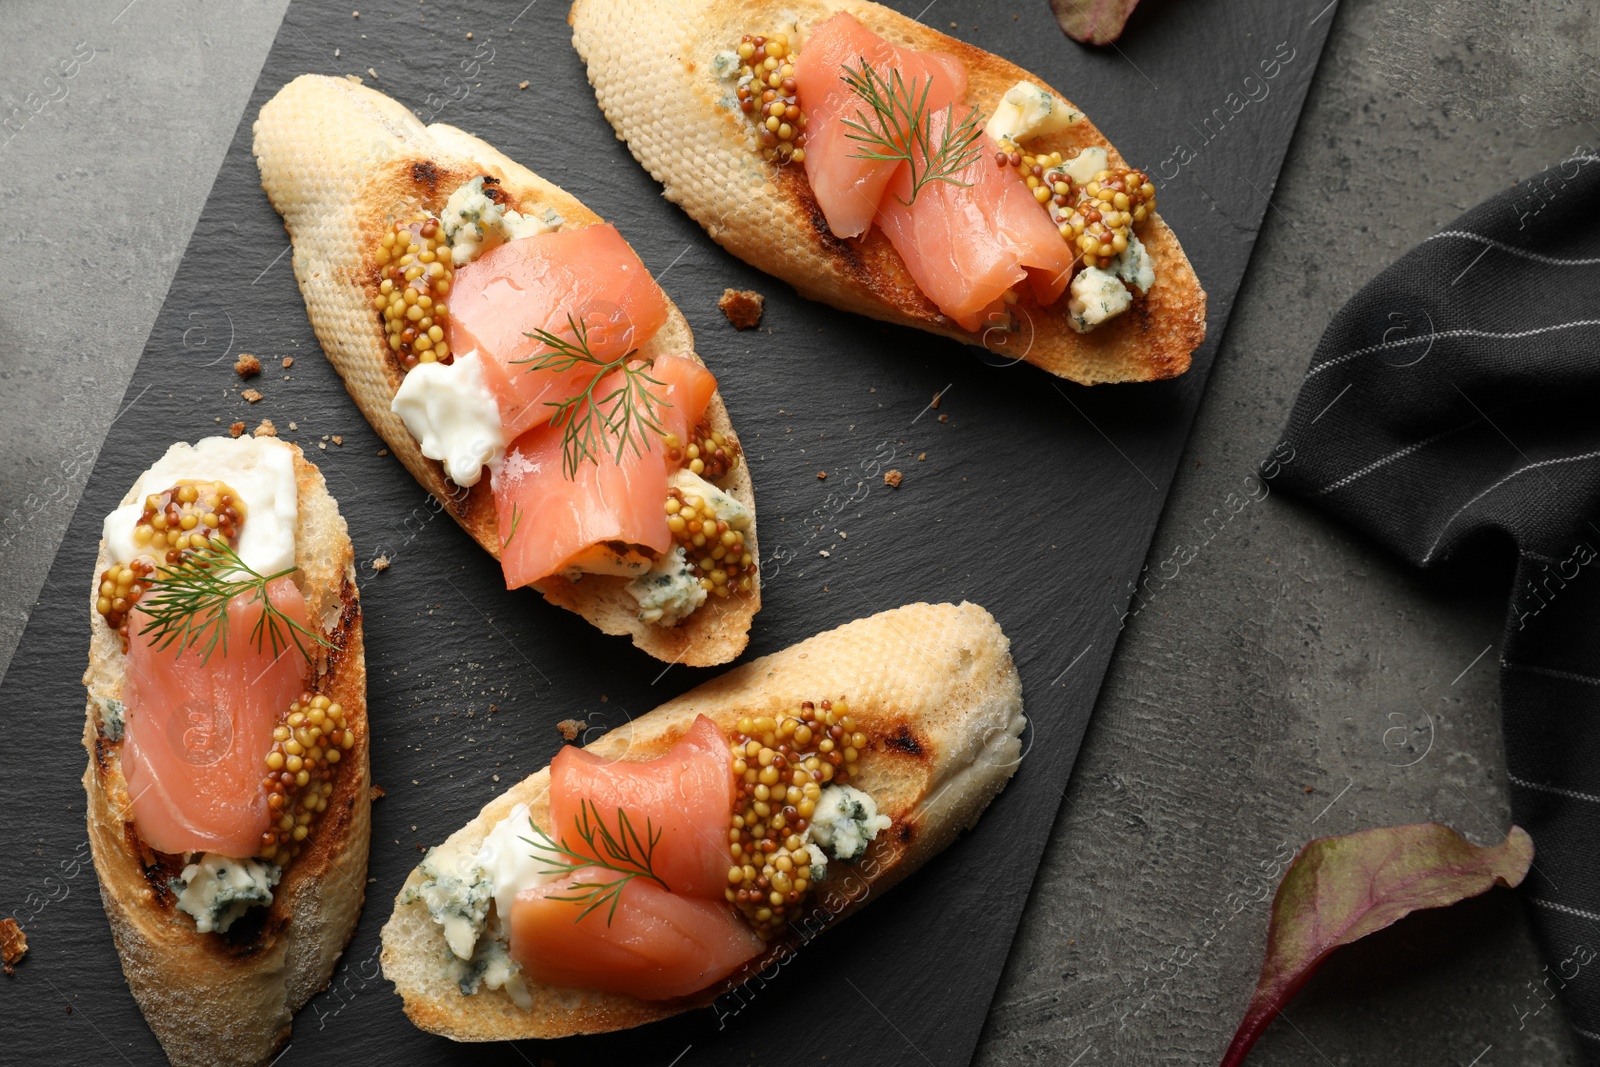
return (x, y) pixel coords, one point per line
(901, 128)
(516, 520)
(623, 853)
(629, 413)
(188, 604)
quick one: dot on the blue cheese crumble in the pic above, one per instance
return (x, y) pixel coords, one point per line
(457, 893)
(668, 592)
(1027, 111)
(846, 822)
(111, 722)
(490, 967)
(728, 509)
(473, 223)
(1097, 295)
(217, 890)
(1133, 265)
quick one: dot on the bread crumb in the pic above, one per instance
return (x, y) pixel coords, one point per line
(743, 307)
(353, 78)
(355, 14)
(288, 361)
(522, 85)
(383, 451)
(338, 440)
(237, 429)
(266, 429)
(247, 366)
(376, 792)
(380, 563)
(892, 478)
(822, 476)
(373, 73)
(571, 728)
(469, 36)
(921, 456)
(252, 395)
(13, 943)
(944, 418)
(496, 777)
(294, 425)
(322, 445)
(934, 403)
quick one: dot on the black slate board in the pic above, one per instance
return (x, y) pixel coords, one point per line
(1036, 498)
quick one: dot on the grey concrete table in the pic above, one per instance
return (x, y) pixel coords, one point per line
(1293, 681)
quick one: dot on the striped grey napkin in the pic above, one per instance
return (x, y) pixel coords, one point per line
(1456, 400)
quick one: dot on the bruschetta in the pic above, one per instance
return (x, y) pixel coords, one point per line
(228, 784)
(884, 168)
(485, 320)
(671, 859)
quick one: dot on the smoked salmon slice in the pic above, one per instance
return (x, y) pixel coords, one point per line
(965, 245)
(197, 734)
(685, 795)
(535, 283)
(546, 518)
(688, 387)
(659, 941)
(657, 945)
(849, 189)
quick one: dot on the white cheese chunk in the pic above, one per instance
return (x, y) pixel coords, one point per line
(453, 415)
(217, 890)
(1082, 167)
(1097, 295)
(846, 821)
(669, 592)
(259, 469)
(512, 861)
(1028, 110)
(473, 223)
(1134, 265)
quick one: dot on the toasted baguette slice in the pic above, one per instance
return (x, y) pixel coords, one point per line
(665, 103)
(227, 999)
(935, 681)
(340, 162)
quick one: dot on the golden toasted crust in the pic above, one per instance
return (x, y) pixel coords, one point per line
(935, 682)
(664, 101)
(227, 999)
(340, 163)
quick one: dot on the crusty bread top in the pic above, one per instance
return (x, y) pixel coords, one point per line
(934, 683)
(670, 108)
(226, 999)
(341, 163)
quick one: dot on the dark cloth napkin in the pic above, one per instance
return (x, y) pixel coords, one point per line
(1456, 400)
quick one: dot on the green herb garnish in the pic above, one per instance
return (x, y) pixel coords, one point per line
(628, 413)
(188, 604)
(516, 520)
(623, 853)
(901, 128)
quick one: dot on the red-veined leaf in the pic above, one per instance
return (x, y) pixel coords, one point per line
(1340, 889)
(1093, 21)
